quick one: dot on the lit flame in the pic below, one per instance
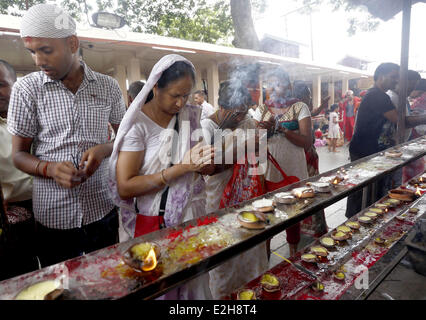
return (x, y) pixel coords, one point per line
(386, 210)
(298, 194)
(150, 261)
(418, 193)
(421, 179)
(335, 181)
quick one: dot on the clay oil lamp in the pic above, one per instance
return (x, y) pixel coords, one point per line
(252, 220)
(284, 198)
(270, 283)
(384, 206)
(402, 194)
(337, 179)
(320, 187)
(340, 236)
(246, 294)
(379, 211)
(353, 225)
(379, 240)
(303, 193)
(328, 242)
(339, 275)
(142, 256)
(319, 251)
(393, 154)
(263, 205)
(344, 229)
(365, 220)
(317, 286)
(414, 182)
(309, 257)
(371, 215)
(393, 202)
(43, 290)
(401, 217)
(413, 210)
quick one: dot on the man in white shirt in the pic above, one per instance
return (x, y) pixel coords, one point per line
(207, 108)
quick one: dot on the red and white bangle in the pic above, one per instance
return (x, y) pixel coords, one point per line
(45, 169)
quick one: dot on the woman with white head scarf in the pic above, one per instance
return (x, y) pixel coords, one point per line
(157, 167)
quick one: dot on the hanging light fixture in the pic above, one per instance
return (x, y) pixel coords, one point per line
(108, 20)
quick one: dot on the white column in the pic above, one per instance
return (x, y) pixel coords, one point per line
(331, 93)
(198, 78)
(261, 92)
(345, 86)
(316, 91)
(134, 70)
(213, 84)
(120, 76)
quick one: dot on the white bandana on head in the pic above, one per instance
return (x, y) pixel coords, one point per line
(47, 21)
(173, 212)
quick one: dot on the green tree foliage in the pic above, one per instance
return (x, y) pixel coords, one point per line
(197, 20)
(185, 19)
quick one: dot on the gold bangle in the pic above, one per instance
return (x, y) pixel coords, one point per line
(163, 180)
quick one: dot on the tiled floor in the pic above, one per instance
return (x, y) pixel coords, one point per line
(334, 214)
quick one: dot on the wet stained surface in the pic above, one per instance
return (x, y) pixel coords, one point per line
(104, 275)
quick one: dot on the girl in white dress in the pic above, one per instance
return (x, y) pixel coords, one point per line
(333, 128)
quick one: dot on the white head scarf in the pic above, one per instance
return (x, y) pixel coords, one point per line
(127, 123)
(47, 21)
